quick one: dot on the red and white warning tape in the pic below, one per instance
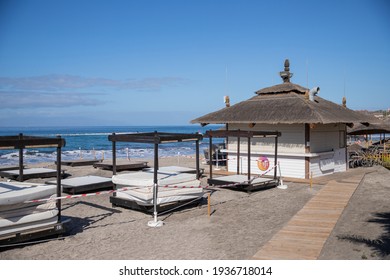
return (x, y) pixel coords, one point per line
(167, 186)
(76, 195)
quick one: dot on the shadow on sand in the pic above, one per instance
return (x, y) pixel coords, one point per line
(381, 245)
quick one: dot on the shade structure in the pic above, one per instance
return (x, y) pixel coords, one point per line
(289, 106)
(285, 103)
(155, 138)
(313, 141)
(371, 128)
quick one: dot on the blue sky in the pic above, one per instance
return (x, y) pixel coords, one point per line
(70, 63)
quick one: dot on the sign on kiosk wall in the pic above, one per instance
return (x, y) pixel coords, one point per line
(263, 163)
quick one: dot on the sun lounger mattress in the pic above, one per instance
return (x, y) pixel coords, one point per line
(29, 171)
(82, 181)
(15, 215)
(28, 217)
(144, 195)
(172, 169)
(13, 193)
(35, 223)
(145, 179)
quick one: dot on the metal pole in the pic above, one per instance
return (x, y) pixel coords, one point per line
(155, 222)
(113, 154)
(21, 159)
(216, 159)
(155, 173)
(59, 179)
(197, 160)
(113, 160)
(155, 181)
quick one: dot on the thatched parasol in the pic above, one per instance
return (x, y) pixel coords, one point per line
(371, 128)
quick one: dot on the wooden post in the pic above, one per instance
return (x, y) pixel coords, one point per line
(210, 156)
(307, 150)
(197, 160)
(276, 156)
(238, 153)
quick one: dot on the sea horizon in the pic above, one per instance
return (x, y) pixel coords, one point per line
(90, 142)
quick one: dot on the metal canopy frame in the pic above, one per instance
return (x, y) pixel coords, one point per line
(155, 138)
(22, 142)
(242, 134)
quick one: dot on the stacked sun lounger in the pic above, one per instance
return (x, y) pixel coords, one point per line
(18, 216)
(172, 187)
(29, 173)
(83, 184)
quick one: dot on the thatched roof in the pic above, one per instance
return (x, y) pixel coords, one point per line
(371, 128)
(282, 88)
(285, 103)
(288, 108)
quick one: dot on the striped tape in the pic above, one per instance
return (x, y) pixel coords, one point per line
(126, 189)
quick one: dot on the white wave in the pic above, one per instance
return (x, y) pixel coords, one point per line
(90, 134)
(35, 156)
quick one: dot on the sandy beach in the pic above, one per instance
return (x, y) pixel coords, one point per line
(239, 226)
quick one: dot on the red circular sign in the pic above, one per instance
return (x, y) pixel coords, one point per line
(263, 163)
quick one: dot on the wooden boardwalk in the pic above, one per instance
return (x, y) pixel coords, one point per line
(303, 237)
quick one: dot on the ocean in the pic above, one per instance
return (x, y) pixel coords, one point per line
(92, 142)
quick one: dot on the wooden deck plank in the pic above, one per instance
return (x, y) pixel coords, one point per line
(306, 233)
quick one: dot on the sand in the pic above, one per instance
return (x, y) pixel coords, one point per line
(363, 230)
(239, 225)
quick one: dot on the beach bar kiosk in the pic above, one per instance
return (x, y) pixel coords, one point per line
(313, 129)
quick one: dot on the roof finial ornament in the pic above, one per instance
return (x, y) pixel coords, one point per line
(287, 65)
(286, 75)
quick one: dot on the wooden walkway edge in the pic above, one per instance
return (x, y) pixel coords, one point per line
(304, 236)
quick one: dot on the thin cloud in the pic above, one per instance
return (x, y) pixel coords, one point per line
(35, 99)
(71, 82)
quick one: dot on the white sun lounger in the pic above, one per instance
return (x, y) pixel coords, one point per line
(16, 215)
(145, 179)
(173, 187)
(29, 173)
(172, 169)
(84, 183)
(144, 196)
(14, 193)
